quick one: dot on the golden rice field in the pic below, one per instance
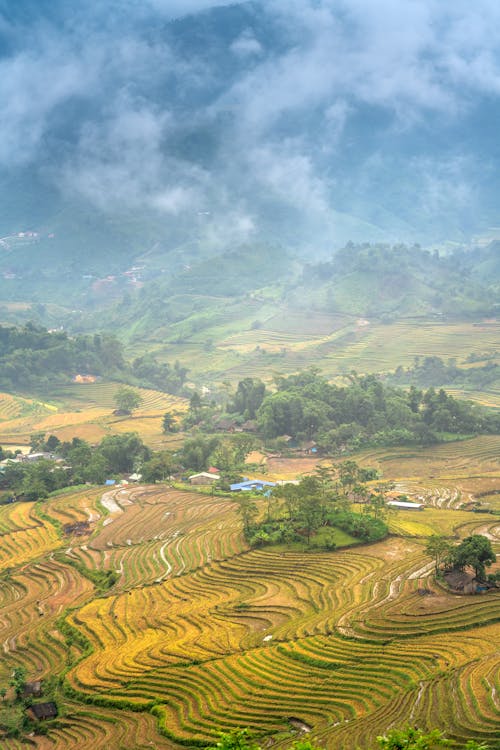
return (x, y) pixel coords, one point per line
(86, 411)
(200, 633)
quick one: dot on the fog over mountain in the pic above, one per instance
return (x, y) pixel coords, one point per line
(133, 124)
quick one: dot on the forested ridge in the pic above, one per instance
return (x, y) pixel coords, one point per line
(31, 356)
(34, 358)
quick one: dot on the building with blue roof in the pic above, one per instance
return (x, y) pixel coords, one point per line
(251, 485)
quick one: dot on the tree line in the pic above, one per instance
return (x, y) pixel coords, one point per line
(33, 358)
(433, 372)
(366, 412)
(407, 738)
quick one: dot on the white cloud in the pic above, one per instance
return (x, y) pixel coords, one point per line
(246, 44)
(278, 128)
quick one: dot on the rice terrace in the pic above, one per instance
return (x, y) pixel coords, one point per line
(200, 632)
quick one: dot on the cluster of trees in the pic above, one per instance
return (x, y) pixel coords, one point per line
(297, 512)
(474, 552)
(149, 372)
(248, 398)
(116, 455)
(305, 406)
(82, 463)
(433, 371)
(32, 356)
(127, 399)
(366, 412)
(409, 738)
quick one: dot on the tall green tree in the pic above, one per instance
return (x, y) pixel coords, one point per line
(237, 739)
(124, 452)
(249, 395)
(247, 509)
(438, 547)
(18, 681)
(474, 551)
(127, 399)
(169, 423)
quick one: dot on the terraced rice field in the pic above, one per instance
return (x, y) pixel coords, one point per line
(287, 341)
(199, 633)
(85, 411)
(378, 348)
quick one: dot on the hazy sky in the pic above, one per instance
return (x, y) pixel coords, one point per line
(301, 101)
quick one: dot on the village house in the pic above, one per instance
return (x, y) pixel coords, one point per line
(32, 689)
(204, 477)
(251, 485)
(42, 711)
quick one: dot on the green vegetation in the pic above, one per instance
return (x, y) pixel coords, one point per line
(375, 279)
(32, 357)
(127, 400)
(474, 552)
(365, 413)
(433, 371)
(153, 374)
(115, 454)
(314, 508)
(410, 738)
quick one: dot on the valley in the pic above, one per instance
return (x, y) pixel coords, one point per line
(249, 375)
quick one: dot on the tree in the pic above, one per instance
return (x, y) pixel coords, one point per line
(159, 468)
(123, 452)
(247, 510)
(248, 397)
(37, 441)
(348, 474)
(375, 504)
(169, 423)
(195, 402)
(412, 739)
(96, 470)
(474, 551)
(127, 399)
(310, 514)
(237, 739)
(196, 450)
(52, 443)
(18, 681)
(438, 548)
